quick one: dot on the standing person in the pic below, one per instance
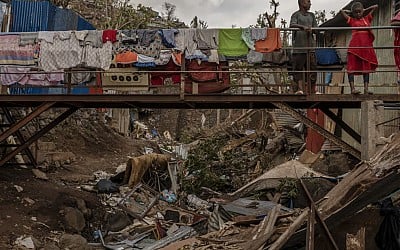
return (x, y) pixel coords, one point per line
(396, 51)
(361, 57)
(301, 40)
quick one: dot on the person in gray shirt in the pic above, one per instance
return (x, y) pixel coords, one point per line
(301, 40)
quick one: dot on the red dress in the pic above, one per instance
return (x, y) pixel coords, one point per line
(361, 60)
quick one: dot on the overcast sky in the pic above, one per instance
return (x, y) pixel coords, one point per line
(242, 13)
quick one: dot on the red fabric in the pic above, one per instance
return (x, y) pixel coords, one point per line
(158, 78)
(109, 35)
(208, 82)
(314, 140)
(361, 60)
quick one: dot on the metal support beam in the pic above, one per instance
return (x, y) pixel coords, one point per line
(337, 141)
(356, 136)
(20, 137)
(39, 134)
(21, 123)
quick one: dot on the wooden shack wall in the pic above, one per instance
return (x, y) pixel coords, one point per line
(382, 82)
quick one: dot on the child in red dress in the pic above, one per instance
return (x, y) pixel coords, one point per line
(361, 57)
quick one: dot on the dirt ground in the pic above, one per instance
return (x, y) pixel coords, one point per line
(69, 155)
(36, 209)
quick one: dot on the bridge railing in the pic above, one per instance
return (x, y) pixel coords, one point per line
(272, 75)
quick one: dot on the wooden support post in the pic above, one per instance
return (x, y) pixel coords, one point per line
(369, 119)
(183, 76)
(195, 88)
(310, 229)
(69, 81)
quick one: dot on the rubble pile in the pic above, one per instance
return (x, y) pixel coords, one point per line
(239, 185)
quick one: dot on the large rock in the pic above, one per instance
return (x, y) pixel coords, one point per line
(74, 242)
(73, 219)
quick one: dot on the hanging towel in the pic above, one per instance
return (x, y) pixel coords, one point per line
(271, 43)
(258, 33)
(109, 35)
(12, 53)
(28, 38)
(231, 43)
(246, 36)
(207, 39)
(126, 57)
(186, 41)
(168, 37)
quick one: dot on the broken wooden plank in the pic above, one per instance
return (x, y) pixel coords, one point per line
(319, 218)
(356, 242)
(298, 222)
(367, 183)
(310, 229)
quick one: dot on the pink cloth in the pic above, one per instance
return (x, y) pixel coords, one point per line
(21, 75)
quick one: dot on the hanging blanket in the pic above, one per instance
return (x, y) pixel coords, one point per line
(13, 54)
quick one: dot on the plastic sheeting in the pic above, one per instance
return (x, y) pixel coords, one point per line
(388, 236)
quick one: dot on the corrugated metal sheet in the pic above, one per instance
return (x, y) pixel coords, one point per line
(283, 119)
(30, 16)
(33, 16)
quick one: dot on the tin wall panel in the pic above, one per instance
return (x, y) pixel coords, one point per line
(384, 82)
(29, 16)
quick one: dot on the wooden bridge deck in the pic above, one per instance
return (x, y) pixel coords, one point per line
(209, 101)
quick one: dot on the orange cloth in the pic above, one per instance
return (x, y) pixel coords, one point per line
(177, 58)
(126, 57)
(271, 43)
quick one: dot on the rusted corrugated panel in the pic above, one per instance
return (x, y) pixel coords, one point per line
(283, 119)
(30, 16)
